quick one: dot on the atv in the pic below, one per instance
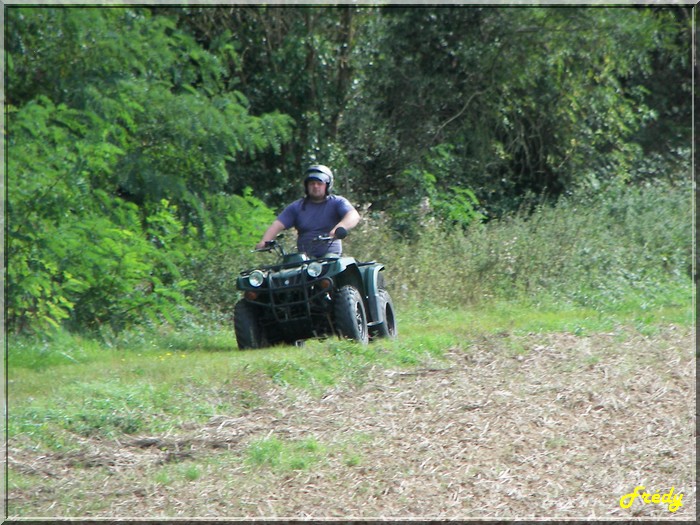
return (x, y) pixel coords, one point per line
(300, 298)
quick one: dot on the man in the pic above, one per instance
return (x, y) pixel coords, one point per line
(318, 213)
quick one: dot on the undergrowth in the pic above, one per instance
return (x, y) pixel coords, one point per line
(618, 250)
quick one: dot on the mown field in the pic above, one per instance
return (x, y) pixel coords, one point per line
(513, 413)
(544, 368)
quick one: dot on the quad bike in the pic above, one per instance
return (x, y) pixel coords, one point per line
(300, 298)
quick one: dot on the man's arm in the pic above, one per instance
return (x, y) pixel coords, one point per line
(273, 231)
(349, 221)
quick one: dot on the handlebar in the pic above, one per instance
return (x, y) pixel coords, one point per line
(269, 246)
(340, 233)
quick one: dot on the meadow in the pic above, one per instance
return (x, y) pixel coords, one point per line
(538, 357)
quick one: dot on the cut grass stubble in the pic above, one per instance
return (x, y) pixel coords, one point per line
(267, 409)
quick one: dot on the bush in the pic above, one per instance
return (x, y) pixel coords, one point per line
(234, 225)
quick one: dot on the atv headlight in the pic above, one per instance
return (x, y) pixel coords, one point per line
(256, 278)
(314, 269)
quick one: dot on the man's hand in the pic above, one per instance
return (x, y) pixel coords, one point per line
(339, 232)
(273, 231)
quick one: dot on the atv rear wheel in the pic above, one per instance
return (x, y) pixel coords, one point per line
(350, 314)
(388, 327)
(249, 333)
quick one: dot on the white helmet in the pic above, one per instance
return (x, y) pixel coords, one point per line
(319, 172)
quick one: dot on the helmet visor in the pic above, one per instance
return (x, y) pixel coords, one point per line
(317, 175)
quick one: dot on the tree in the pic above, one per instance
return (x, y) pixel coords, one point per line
(162, 95)
(292, 60)
(120, 136)
(531, 101)
(76, 253)
(142, 142)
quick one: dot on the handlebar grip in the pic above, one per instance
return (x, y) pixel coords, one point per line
(341, 233)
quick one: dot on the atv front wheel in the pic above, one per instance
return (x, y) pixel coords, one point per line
(350, 314)
(249, 333)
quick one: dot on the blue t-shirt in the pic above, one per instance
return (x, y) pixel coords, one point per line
(312, 219)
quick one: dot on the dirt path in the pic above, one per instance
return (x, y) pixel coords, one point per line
(518, 426)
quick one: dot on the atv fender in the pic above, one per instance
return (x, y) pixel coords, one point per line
(347, 273)
(371, 278)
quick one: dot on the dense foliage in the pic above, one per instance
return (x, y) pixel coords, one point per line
(148, 147)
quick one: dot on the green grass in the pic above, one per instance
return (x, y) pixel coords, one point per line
(147, 390)
(284, 455)
(74, 388)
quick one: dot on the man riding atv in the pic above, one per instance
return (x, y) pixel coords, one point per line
(318, 213)
(316, 292)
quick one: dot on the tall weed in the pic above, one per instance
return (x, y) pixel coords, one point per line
(628, 247)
